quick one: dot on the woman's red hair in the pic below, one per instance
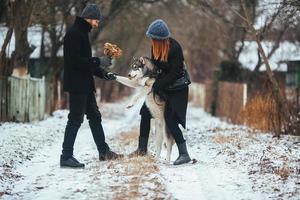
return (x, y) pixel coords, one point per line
(161, 49)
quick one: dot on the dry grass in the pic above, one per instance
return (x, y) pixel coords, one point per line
(234, 138)
(222, 139)
(261, 113)
(283, 172)
(231, 139)
(139, 173)
(129, 137)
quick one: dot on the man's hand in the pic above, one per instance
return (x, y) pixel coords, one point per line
(110, 76)
(105, 61)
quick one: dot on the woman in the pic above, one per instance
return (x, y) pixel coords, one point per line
(167, 55)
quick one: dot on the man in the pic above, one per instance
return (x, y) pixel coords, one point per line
(79, 68)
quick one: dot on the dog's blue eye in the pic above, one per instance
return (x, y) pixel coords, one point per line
(135, 67)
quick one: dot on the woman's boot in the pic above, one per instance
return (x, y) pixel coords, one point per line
(184, 156)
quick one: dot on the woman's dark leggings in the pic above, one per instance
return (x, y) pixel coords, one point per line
(173, 125)
(171, 122)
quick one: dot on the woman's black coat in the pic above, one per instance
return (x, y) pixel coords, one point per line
(171, 71)
(79, 65)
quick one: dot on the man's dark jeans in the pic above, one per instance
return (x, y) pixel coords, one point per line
(81, 104)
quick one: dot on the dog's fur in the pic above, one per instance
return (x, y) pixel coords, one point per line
(142, 75)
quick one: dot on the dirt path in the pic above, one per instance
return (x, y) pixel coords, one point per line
(140, 175)
(127, 178)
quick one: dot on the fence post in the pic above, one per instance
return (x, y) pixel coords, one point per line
(28, 97)
(245, 92)
(42, 99)
(231, 99)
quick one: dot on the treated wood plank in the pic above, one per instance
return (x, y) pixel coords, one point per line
(27, 99)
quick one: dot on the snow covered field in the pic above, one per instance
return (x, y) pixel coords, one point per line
(234, 162)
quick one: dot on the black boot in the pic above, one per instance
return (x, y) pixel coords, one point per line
(107, 154)
(183, 155)
(70, 162)
(142, 148)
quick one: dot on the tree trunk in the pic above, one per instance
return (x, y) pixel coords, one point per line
(20, 56)
(5, 68)
(278, 95)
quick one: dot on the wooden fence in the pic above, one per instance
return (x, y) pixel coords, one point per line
(209, 97)
(197, 94)
(26, 99)
(231, 98)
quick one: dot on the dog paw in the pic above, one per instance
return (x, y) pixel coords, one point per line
(166, 162)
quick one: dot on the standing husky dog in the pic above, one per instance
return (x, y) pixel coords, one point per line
(142, 75)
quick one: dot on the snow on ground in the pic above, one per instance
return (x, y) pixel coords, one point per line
(234, 162)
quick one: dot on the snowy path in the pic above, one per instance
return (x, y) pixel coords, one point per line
(230, 162)
(233, 162)
(42, 178)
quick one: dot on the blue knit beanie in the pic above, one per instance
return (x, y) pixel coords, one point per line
(91, 11)
(159, 30)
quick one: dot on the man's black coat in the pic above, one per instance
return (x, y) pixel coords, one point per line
(79, 65)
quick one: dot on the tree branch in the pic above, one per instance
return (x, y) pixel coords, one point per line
(279, 98)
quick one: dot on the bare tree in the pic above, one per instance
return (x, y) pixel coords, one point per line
(275, 27)
(5, 68)
(278, 95)
(59, 15)
(23, 11)
(221, 13)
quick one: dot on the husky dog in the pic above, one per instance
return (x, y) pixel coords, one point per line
(142, 75)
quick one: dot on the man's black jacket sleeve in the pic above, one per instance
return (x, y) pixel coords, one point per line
(79, 62)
